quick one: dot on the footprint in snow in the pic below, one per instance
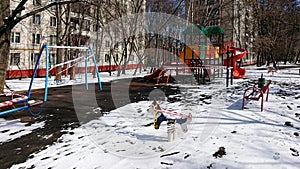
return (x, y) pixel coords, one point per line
(276, 156)
(294, 152)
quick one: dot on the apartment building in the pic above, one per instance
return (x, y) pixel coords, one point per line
(82, 23)
(28, 35)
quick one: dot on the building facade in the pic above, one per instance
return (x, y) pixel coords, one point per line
(81, 24)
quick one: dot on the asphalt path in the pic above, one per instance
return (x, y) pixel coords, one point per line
(61, 111)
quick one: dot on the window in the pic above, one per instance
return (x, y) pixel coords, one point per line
(36, 38)
(107, 58)
(15, 58)
(75, 23)
(96, 28)
(107, 43)
(131, 58)
(53, 21)
(52, 58)
(36, 2)
(52, 40)
(36, 19)
(140, 44)
(116, 57)
(15, 37)
(33, 58)
(116, 31)
(116, 46)
(86, 25)
(88, 10)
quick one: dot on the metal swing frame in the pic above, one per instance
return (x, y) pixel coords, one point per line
(32, 103)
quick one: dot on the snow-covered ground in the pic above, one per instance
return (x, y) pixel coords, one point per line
(123, 137)
(12, 129)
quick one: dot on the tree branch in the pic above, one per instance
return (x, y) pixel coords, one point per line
(13, 20)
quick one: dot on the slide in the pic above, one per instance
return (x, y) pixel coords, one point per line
(238, 54)
(155, 74)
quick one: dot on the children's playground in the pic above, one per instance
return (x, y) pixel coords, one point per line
(196, 109)
(204, 55)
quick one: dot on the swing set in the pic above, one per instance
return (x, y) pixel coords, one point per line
(23, 102)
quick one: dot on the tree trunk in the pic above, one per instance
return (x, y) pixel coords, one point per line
(297, 58)
(59, 52)
(59, 55)
(4, 53)
(289, 49)
(258, 59)
(4, 44)
(274, 61)
(125, 57)
(268, 61)
(72, 69)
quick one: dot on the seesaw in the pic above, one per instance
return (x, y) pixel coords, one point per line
(171, 117)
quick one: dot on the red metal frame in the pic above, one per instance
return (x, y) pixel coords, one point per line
(41, 72)
(256, 94)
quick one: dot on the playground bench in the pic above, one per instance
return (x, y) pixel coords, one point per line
(255, 93)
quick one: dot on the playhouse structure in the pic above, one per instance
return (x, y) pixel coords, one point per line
(204, 54)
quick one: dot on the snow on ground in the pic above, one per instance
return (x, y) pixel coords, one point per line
(123, 138)
(12, 129)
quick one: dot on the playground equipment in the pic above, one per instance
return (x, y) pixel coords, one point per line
(159, 76)
(172, 117)
(158, 72)
(24, 100)
(196, 56)
(202, 55)
(237, 54)
(256, 92)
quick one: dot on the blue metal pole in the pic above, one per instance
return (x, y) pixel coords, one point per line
(96, 69)
(34, 71)
(47, 68)
(86, 69)
(13, 110)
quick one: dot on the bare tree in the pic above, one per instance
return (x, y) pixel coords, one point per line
(278, 29)
(118, 31)
(164, 37)
(4, 41)
(62, 14)
(10, 19)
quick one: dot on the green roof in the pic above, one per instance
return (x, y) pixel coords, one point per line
(215, 30)
(195, 29)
